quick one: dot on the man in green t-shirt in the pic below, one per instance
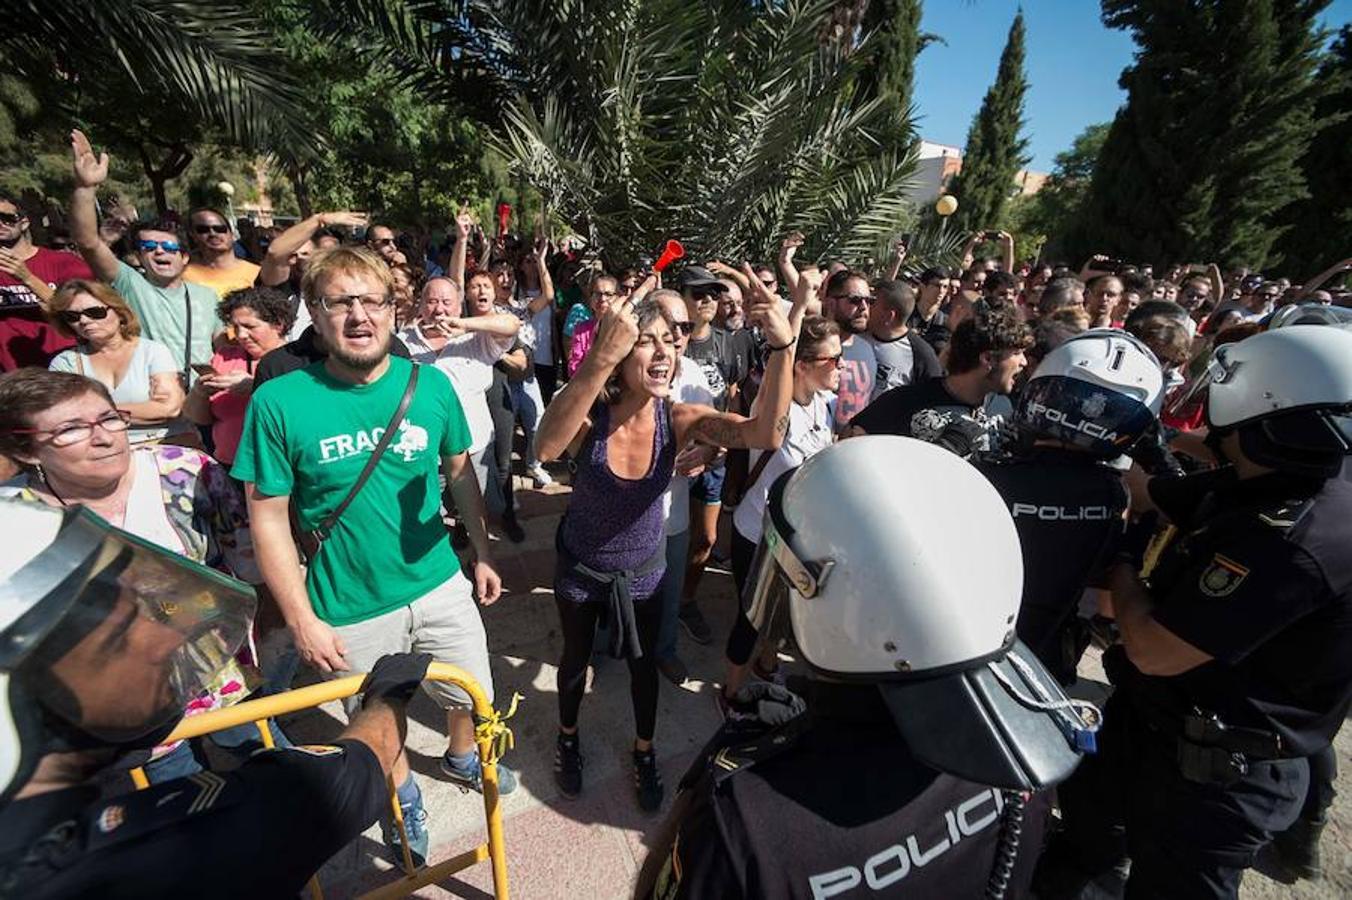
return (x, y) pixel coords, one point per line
(178, 314)
(386, 579)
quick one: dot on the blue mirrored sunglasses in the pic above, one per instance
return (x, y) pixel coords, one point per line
(166, 246)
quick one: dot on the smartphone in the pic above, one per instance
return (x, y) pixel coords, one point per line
(906, 239)
(204, 370)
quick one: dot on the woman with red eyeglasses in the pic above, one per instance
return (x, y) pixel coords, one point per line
(140, 374)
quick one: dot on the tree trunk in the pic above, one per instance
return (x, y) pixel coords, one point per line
(301, 186)
(173, 166)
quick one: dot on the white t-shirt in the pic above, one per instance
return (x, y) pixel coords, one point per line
(809, 434)
(689, 386)
(147, 358)
(145, 516)
(468, 361)
(541, 327)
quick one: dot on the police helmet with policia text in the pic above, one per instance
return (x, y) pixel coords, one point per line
(1099, 391)
(868, 547)
(104, 638)
(1287, 393)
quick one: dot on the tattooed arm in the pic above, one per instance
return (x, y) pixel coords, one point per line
(769, 421)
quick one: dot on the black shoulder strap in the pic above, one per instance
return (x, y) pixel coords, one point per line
(321, 533)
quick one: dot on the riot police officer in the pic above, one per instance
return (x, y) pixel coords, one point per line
(103, 639)
(928, 722)
(1236, 656)
(1090, 400)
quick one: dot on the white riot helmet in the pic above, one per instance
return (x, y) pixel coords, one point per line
(899, 565)
(1288, 394)
(104, 638)
(1310, 314)
(1100, 391)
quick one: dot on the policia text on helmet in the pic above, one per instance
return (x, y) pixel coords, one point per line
(928, 722)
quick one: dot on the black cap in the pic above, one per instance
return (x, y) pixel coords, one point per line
(697, 277)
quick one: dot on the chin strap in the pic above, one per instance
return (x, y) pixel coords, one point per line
(1079, 720)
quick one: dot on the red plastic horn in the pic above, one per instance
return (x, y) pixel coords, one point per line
(673, 251)
(504, 213)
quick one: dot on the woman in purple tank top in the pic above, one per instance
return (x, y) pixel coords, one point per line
(616, 419)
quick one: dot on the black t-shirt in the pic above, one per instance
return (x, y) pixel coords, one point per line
(301, 352)
(259, 831)
(839, 799)
(1258, 576)
(725, 357)
(1067, 508)
(921, 410)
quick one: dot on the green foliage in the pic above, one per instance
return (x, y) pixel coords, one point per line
(1322, 222)
(896, 43)
(1203, 157)
(716, 122)
(1045, 222)
(995, 149)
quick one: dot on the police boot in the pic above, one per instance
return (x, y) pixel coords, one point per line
(1298, 849)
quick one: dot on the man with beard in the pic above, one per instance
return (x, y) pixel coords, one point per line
(178, 314)
(28, 276)
(382, 577)
(214, 262)
(848, 297)
(964, 409)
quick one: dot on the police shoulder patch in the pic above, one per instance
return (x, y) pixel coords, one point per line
(1221, 577)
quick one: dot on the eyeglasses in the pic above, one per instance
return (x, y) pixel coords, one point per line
(684, 327)
(114, 422)
(343, 303)
(10, 218)
(73, 316)
(211, 229)
(166, 246)
(608, 295)
(855, 299)
(833, 360)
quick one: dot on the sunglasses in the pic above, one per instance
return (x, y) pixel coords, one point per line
(381, 242)
(211, 229)
(769, 283)
(10, 218)
(833, 360)
(706, 294)
(685, 327)
(73, 316)
(166, 246)
(855, 299)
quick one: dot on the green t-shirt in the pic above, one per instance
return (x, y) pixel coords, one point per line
(309, 435)
(164, 315)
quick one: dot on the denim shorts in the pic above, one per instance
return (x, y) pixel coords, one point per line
(708, 487)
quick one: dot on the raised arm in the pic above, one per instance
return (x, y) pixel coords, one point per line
(766, 428)
(898, 257)
(1007, 251)
(276, 268)
(1213, 272)
(1318, 281)
(721, 268)
(566, 416)
(787, 270)
(90, 172)
(463, 225)
(540, 257)
(503, 325)
(969, 250)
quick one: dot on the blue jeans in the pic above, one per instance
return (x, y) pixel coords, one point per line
(187, 758)
(669, 594)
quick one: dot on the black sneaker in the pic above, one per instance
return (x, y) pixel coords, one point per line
(568, 764)
(647, 781)
(692, 620)
(513, 530)
(673, 670)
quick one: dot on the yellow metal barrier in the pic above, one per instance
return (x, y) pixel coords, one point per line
(490, 732)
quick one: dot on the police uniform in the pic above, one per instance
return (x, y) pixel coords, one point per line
(832, 804)
(1204, 766)
(259, 831)
(1067, 508)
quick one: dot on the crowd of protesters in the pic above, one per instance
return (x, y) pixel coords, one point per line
(221, 397)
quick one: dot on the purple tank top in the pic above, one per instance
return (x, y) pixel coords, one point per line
(615, 524)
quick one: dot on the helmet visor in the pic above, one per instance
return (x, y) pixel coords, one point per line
(129, 632)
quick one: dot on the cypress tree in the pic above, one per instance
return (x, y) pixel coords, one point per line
(897, 42)
(1322, 222)
(1204, 155)
(995, 150)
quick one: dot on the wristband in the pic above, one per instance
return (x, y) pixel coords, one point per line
(773, 349)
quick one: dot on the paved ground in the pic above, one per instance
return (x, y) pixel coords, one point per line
(592, 847)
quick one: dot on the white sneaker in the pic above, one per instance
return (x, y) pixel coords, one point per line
(539, 476)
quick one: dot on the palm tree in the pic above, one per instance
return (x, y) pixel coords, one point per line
(158, 76)
(724, 123)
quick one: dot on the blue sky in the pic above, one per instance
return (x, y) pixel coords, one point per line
(1072, 63)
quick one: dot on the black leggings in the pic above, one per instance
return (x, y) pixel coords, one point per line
(547, 377)
(579, 628)
(504, 430)
(742, 641)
